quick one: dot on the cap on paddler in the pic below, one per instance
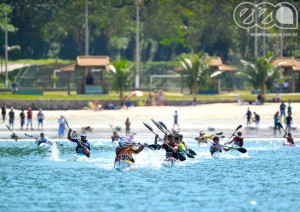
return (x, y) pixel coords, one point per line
(83, 134)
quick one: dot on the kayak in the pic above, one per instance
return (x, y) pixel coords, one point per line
(44, 145)
(123, 165)
(170, 162)
(288, 144)
(80, 157)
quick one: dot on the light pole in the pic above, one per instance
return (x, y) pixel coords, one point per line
(137, 57)
(6, 51)
(86, 28)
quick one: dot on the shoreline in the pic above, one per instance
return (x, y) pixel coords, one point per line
(223, 117)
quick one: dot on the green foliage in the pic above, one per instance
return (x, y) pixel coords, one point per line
(54, 79)
(121, 76)
(261, 73)
(197, 71)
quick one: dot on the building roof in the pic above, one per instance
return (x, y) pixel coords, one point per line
(92, 61)
(215, 61)
(284, 61)
(225, 67)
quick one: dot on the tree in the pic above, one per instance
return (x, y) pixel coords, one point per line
(197, 71)
(121, 75)
(261, 73)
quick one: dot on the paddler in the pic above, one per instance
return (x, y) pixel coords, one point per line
(237, 139)
(215, 146)
(202, 139)
(289, 138)
(115, 136)
(83, 146)
(124, 151)
(171, 147)
(42, 139)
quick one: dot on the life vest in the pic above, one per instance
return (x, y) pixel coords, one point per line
(124, 155)
(238, 141)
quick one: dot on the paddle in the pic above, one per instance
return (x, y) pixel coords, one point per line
(163, 129)
(180, 156)
(191, 152)
(14, 135)
(151, 146)
(238, 127)
(280, 125)
(85, 149)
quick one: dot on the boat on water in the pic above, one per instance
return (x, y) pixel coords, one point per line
(123, 165)
(288, 144)
(79, 157)
(170, 162)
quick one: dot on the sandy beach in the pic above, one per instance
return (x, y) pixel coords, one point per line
(192, 119)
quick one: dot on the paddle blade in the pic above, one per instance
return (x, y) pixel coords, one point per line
(8, 127)
(162, 124)
(148, 126)
(189, 155)
(239, 127)
(181, 157)
(219, 133)
(29, 135)
(192, 152)
(153, 146)
(242, 150)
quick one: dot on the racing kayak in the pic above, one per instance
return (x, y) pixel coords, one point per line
(123, 165)
(288, 144)
(80, 157)
(170, 162)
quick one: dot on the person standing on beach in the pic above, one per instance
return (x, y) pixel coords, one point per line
(289, 109)
(248, 115)
(127, 127)
(11, 116)
(40, 117)
(22, 119)
(277, 123)
(257, 120)
(175, 116)
(282, 110)
(29, 118)
(288, 123)
(61, 126)
(3, 112)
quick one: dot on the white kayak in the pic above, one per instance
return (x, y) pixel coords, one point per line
(80, 157)
(44, 145)
(288, 144)
(123, 165)
(170, 162)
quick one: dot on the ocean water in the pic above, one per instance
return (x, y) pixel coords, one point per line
(266, 178)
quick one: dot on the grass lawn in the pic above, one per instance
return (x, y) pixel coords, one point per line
(244, 96)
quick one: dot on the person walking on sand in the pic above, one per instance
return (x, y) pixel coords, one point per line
(127, 127)
(175, 116)
(11, 116)
(40, 117)
(61, 126)
(29, 118)
(289, 109)
(277, 123)
(248, 115)
(22, 119)
(3, 113)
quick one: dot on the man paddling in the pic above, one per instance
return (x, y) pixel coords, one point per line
(124, 151)
(202, 139)
(42, 139)
(171, 148)
(215, 146)
(289, 138)
(115, 136)
(83, 146)
(238, 140)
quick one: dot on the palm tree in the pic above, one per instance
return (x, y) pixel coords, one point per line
(197, 72)
(261, 73)
(121, 75)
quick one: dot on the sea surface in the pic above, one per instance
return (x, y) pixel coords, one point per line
(266, 178)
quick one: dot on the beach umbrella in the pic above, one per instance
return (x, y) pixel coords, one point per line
(137, 93)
